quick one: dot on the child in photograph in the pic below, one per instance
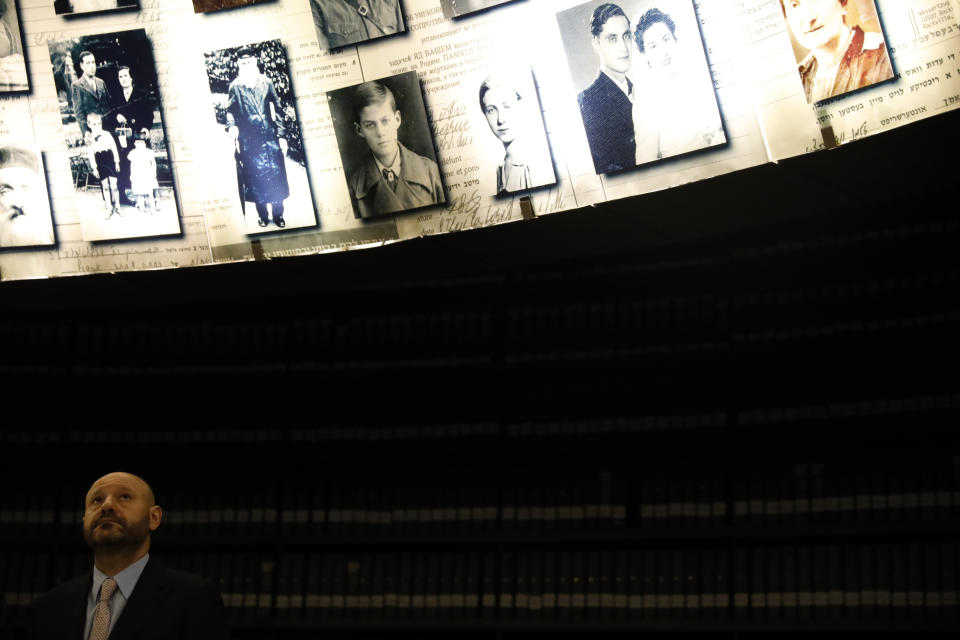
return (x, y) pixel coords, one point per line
(143, 175)
(393, 178)
(105, 161)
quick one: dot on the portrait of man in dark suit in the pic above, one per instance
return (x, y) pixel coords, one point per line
(127, 595)
(90, 93)
(606, 106)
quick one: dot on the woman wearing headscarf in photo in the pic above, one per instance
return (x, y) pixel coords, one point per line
(13, 70)
(675, 110)
(509, 103)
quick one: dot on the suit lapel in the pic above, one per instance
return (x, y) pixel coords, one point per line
(150, 591)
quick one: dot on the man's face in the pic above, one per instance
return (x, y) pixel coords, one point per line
(659, 46)
(613, 44)
(814, 23)
(123, 76)
(119, 512)
(88, 65)
(378, 127)
(248, 66)
(501, 107)
(21, 208)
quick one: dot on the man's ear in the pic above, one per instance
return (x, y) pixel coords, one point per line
(156, 515)
(356, 128)
(595, 43)
(398, 117)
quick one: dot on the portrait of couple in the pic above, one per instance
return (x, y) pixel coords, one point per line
(645, 91)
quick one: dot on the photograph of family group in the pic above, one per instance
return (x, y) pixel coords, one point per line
(110, 110)
(644, 86)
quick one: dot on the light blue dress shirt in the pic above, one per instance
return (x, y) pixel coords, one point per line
(126, 582)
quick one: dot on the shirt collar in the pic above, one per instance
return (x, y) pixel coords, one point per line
(395, 167)
(126, 580)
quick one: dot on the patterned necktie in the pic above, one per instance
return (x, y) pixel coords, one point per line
(391, 179)
(101, 615)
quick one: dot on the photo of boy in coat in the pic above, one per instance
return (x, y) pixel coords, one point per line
(390, 176)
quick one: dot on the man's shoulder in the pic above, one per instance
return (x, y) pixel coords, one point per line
(422, 160)
(361, 169)
(594, 93)
(418, 168)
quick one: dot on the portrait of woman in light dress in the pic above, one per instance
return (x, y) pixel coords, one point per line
(512, 109)
(675, 108)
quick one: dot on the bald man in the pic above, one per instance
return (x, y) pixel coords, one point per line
(127, 596)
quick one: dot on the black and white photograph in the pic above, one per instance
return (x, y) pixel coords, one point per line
(205, 6)
(258, 135)
(457, 8)
(838, 44)
(341, 23)
(13, 68)
(643, 83)
(386, 146)
(510, 105)
(25, 219)
(79, 7)
(110, 111)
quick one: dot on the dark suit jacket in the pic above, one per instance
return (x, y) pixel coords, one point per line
(165, 605)
(138, 110)
(87, 100)
(608, 120)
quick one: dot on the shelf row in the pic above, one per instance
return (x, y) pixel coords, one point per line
(865, 581)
